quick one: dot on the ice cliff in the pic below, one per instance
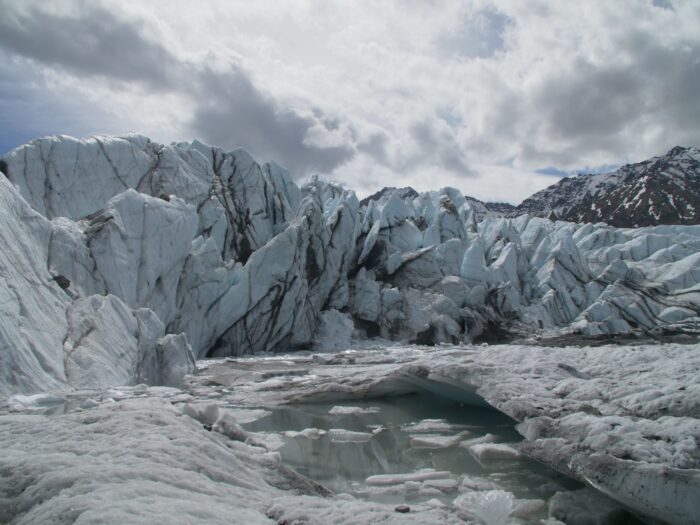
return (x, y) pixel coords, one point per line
(124, 259)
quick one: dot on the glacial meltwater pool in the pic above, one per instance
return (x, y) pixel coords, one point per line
(410, 448)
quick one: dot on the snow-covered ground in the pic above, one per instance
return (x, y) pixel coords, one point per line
(623, 419)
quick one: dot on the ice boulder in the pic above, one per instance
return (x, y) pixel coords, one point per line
(493, 507)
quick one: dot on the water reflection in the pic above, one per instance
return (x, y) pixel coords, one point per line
(342, 445)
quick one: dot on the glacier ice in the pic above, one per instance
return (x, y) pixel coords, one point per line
(622, 419)
(235, 256)
(124, 260)
(492, 506)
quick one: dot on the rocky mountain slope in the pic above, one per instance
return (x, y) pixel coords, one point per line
(661, 190)
(123, 259)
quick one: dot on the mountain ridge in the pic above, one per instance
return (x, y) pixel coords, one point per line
(660, 190)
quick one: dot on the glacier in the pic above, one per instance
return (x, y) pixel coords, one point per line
(126, 262)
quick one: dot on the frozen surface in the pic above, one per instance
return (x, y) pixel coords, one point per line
(573, 404)
(123, 260)
(142, 461)
(623, 419)
(137, 461)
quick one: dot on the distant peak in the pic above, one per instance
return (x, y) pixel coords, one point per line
(677, 150)
(404, 193)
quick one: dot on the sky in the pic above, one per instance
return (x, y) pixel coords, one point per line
(496, 98)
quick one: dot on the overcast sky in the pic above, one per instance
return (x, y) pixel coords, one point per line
(492, 97)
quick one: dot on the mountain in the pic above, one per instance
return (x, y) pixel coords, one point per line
(482, 210)
(383, 194)
(485, 210)
(661, 190)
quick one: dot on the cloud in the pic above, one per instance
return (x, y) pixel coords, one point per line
(592, 110)
(477, 94)
(435, 144)
(227, 108)
(663, 4)
(89, 41)
(376, 147)
(232, 112)
(477, 34)
(554, 172)
(29, 110)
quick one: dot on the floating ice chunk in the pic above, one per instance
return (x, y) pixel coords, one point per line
(339, 435)
(429, 441)
(443, 485)
(309, 433)
(345, 411)
(487, 438)
(116, 394)
(492, 506)
(163, 391)
(269, 440)
(410, 490)
(470, 483)
(493, 451)
(395, 479)
(428, 426)
(248, 415)
(376, 429)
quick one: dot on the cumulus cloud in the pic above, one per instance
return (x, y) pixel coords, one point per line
(477, 94)
(478, 33)
(88, 39)
(227, 108)
(232, 112)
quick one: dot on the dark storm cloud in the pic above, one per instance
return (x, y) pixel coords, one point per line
(376, 147)
(602, 107)
(92, 42)
(439, 147)
(28, 110)
(663, 4)
(229, 110)
(590, 101)
(232, 112)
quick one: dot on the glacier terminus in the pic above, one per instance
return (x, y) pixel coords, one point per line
(172, 314)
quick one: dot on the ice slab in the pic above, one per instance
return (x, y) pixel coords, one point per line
(396, 479)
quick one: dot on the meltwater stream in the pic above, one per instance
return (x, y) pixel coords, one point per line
(380, 449)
